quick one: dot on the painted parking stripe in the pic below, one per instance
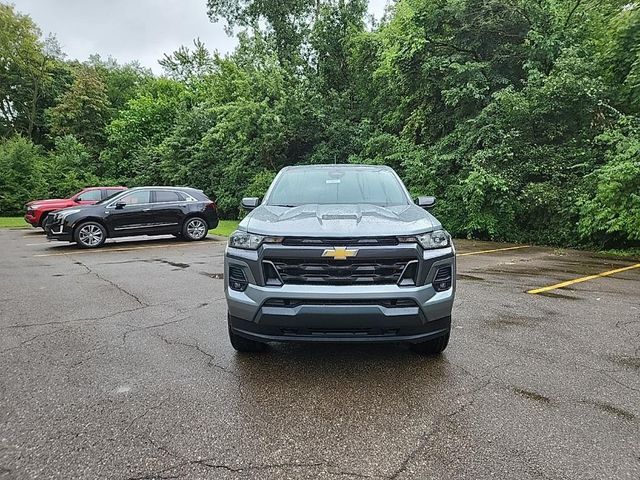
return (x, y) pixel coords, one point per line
(123, 249)
(493, 250)
(582, 279)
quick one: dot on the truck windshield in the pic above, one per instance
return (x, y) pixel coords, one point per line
(110, 197)
(340, 185)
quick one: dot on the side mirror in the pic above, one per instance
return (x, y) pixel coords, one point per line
(120, 205)
(426, 202)
(77, 199)
(249, 203)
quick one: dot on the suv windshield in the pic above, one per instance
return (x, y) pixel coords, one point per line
(340, 185)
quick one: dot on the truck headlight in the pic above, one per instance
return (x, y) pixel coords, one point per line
(250, 241)
(245, 240)
(430, 240)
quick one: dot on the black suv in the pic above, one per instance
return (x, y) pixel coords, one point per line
(182, 212)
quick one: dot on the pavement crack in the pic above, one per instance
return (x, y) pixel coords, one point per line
(35, 337)
(169, 321)
(424, 438)
(195, 346)
(112, 283)
(608, 374)
(143, 414)
(78, 320)
(170, 472)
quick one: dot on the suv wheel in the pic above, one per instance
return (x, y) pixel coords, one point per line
(242, 344)
(432, 347)
(90, 235)
(195, 228)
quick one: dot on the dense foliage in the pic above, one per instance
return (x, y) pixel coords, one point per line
(522, 116)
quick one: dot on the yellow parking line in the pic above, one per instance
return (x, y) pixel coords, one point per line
(582, 279)
(491, 251)
(123, 249)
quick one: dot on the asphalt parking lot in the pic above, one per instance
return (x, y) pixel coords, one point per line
(115, 364)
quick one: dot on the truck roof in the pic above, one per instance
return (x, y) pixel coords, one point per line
(338, 166)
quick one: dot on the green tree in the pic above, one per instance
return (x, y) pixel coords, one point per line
(135, 135)
(29, 74)
(70, 168)
(185, 65)
(122, 82)
(82, 111)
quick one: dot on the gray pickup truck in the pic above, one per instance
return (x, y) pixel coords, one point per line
(339, 253)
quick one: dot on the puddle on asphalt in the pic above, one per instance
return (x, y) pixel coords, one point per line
(629, 362)
(462, 276)
(173, 264)
(532, 395)
(217, 276)
(514, 321)
(611, 409)
(557, 266)
(558, 295)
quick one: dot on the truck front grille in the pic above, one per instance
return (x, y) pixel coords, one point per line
(348, 242)
(340, 272)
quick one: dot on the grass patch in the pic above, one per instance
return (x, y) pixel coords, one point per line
(13, 222)
(225, 227)
(631, 253)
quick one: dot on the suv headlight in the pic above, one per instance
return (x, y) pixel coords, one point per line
(250, 241)
(430, 240)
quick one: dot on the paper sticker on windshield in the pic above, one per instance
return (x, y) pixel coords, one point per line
(336, 180)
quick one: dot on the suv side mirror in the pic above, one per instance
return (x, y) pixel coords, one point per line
(426, 202)
(120, 205)
(249, 203)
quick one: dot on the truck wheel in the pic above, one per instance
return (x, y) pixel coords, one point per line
(90, 235)
(195, 228)
(242, 344)
(432, 347)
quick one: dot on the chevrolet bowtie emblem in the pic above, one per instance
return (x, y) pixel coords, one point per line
(340, 253)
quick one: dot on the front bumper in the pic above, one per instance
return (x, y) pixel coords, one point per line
(351, 313)
(31, 219)
(58, 231)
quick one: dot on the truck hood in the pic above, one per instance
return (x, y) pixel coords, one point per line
(339, 221)
(53, 202)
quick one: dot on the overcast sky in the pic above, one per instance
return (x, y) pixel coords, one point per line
(132, 29)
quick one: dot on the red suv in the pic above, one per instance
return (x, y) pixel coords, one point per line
(38, 210)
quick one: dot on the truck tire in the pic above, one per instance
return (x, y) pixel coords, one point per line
(432, 347)
(245, 345)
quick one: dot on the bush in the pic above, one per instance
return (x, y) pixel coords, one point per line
(22, 167)
(610, 215)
